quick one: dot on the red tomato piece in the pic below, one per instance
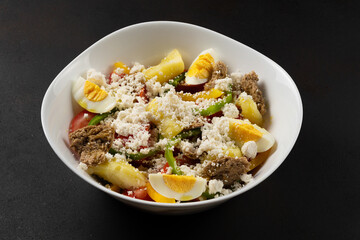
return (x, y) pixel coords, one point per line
(218, 114)
(111, 76)
(139, 193)
(142, 94)
(165, 168)
(81, 120)
(179, 161)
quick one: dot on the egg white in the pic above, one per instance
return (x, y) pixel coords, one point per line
(105, 105)
(157, 182)
(266, 141)
(195, 80)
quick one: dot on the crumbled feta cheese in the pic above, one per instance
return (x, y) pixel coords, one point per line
(215, 139)
(245, 96)
(96, 77)
(249, 149)
(223, 84)
(215, 186)
(230, 110)
(82, 166)
(246, 178)
(137, 67)
(172, 106)
(132, 123)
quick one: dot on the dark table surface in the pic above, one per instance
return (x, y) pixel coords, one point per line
(313, 195)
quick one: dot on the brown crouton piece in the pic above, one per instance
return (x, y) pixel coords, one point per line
(91, 143)
(226, 169)
(219, 72)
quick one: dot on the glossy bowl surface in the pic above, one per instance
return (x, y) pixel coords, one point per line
(149, 42)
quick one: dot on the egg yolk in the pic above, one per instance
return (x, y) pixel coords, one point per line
(93, 92)
(202, 67)
(245, 132)
(180, 184)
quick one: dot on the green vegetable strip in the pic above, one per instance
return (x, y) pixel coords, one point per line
(169, 153)
(217, 106)
(97, 119)
(177, 80)
(189, 133)
(207, 195)
(136, 156)
(170, 158)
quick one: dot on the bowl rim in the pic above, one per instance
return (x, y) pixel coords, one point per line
(245, 188)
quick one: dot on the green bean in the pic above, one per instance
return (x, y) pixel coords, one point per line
(177, 80)
(175, 140)
(171, 160)
(189, 133)
(136, 156)
(218, 105)
(207, 195)
(98, 118)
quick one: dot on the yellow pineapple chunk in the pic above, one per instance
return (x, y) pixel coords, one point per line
(123, 66)
(212, 93)
(119, 173)
(233, 152)
(169, 67)
(249, 109)
(168, 126)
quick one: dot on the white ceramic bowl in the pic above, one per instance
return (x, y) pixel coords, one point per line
(147, 43)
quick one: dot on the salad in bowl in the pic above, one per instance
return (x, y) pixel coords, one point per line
(170, 133)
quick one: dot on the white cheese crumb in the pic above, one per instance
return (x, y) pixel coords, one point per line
(126, 90)
(172, 106)
(132, 123)
(82, 166)
(96, 77)
(246, 178)
(215, 139)
(223, 84)
(249, 149)
(245, 96)
(230, 110)
(215, 186)
(137, 67)
(153, 87)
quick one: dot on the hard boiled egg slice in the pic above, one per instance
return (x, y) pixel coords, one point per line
(91, 97)
(242, 131)
(180, 187)
(266, 141)
(201, 68)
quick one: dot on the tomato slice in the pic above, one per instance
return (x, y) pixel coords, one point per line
(180, 161)
(139, 193)
(142, 94)
(81, 120)
(111, 76)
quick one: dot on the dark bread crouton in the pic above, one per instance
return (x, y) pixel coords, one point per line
(226, 169)
(219, 72)
(91, 143)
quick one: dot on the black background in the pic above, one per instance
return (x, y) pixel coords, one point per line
(313, 195)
